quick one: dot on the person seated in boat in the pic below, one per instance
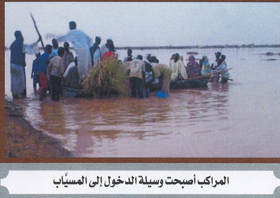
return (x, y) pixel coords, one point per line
(71, 78)
(129, 55)
(55, 73)
(178, 68)
(205, 66)
(214, 65)
(163, 72)
(222, 67)
(193, 69)
(137, 76)
(68, 56)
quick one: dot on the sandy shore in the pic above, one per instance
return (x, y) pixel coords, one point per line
(22, 140)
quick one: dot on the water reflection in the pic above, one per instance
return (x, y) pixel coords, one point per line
(87, 126)
(78, 121)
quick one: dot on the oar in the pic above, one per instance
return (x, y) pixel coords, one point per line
(218, 72)
(222, 71)
(209, 75)
(199, 77)
(222, 77)
(37, 31)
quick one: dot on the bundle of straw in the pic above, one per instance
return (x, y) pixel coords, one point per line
(106, 79)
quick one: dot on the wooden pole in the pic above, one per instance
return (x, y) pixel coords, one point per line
(37, 31)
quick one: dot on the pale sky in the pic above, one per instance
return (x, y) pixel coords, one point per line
(149, 23)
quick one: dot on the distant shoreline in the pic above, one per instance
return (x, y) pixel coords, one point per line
(190, 47)
(200, 47)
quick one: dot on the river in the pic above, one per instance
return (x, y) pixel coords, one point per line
(238, 119)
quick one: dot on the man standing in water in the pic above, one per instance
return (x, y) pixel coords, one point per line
(34, 72)
(95, 52)
(68, 56)
(129, 55)
(18, 77)
(81, 43)
(71, 78)
(54, 49)
(105, 47)
(214, 66)
(222, 67)
(110, 50)
(164, 72)
(43, 66)
(54, 73)
(137, 77)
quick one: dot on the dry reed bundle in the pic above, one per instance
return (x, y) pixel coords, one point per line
(106, 79)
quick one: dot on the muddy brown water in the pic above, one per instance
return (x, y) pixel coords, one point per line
(238, 119)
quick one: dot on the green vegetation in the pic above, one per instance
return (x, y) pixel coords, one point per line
(106, 79)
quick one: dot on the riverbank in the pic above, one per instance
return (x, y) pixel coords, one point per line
(23, 141)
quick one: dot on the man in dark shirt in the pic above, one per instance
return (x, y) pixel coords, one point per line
(95, 51)
(18, 77)
(129, 55)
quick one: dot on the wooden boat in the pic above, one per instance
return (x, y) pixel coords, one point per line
(70, 92)
(190, 83)
(195, 82)
(200, 81)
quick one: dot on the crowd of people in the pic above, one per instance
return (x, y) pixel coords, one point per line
(155, 73)
(193, 69)
(58, 67)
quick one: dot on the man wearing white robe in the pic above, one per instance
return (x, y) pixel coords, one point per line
(178, 68)
(81, 43)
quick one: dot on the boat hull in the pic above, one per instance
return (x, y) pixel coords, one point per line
(183, 84)
(187, 84)
(70, 92)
